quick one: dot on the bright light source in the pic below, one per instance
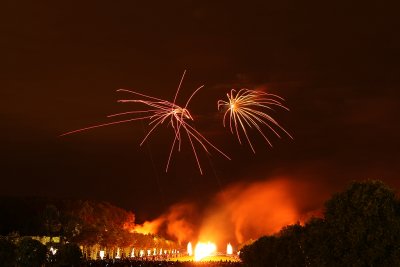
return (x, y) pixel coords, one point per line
(203, 250)
(229, 250)
(53, 250)
(189, 249)
(102, 254)
(118, 256)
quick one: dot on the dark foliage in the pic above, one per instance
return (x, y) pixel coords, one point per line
(75, 221)
(361, 228)
(7, 253)
(284, 249)
(30, 253)
(69, 255)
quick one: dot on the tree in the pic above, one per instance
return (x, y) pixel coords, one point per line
(51, 220)
(70, 227)
(315, 242)
(7, 253)
(69, 255)
(283, 249)
(290, 248)
(30, 253)
(261, 253)
(361, 227)
(363, 224)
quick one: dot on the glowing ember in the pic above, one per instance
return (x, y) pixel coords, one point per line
(189, 249)
(229, 250)
(246, 110)
(203, 250)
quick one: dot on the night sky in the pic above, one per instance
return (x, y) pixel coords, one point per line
(336, 64)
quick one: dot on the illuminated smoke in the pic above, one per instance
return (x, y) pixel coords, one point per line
(240, 212)
(147, 227)
(245, 211)
(176, 223)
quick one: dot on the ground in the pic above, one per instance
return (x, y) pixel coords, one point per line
(209, 258)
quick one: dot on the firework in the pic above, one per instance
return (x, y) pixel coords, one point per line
(246, 109)
(158, 112)
(203, 250)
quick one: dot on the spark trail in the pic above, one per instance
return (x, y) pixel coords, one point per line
(246, 109)
(158, 112)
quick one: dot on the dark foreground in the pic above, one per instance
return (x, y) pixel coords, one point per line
(133, 263)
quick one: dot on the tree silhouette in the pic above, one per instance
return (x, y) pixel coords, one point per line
(361, 227)
(30, 253)
(69, 255)
(7, 253)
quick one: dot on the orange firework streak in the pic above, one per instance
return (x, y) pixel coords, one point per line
(159, 112)
(245, 109)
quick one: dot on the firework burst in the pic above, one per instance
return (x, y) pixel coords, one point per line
(158, 112)
(246, 109)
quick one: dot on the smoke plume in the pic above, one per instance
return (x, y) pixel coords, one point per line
(238, 213)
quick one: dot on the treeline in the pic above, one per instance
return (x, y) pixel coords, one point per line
(86, 223)
(28, 252)
(360, 227)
